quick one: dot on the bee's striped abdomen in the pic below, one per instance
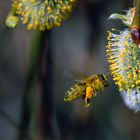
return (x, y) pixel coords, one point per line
(75, 92)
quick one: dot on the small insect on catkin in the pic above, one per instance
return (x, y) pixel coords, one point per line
(42, 14)
(124, 58)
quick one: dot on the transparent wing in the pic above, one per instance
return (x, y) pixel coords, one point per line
(75, 76)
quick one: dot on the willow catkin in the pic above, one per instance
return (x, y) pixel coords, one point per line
(42, 14)
(124, 58)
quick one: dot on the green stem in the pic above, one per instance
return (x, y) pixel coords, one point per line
(136, 19)
(28, 97)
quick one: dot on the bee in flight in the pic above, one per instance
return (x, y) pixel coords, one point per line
(87, 88)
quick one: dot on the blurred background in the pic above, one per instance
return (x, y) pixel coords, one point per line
(32, 84)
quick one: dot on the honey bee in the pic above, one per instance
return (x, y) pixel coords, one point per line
(87, 88)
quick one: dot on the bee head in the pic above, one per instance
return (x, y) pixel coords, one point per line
(104, 79)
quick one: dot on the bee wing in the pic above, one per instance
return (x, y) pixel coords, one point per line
(76, 76)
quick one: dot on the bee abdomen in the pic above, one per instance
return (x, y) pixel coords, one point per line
(75, 92)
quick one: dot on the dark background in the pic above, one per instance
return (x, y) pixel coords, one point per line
(32, 84)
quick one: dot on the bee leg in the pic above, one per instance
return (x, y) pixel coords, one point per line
(89, 92)
(87, 102)
(83, 97)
